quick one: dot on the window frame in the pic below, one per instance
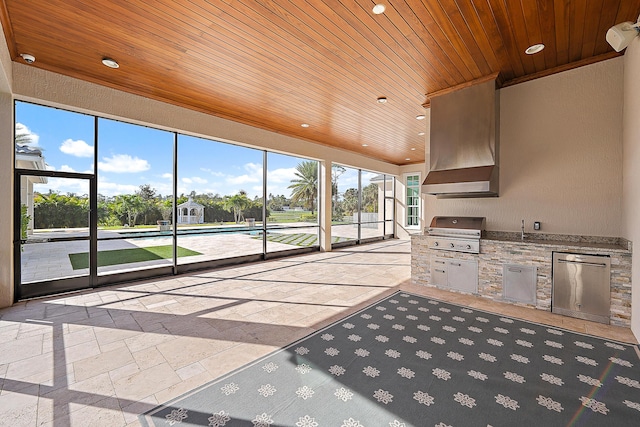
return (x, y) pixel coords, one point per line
(408, 206)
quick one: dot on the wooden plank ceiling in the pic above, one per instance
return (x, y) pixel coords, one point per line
(278, 64)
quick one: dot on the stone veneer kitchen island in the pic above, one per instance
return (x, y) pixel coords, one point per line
(500, 249)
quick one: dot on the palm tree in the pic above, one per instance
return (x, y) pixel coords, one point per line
(23, 139)
(237, 204)
(336, 171)
(305, 185)
(131, 205)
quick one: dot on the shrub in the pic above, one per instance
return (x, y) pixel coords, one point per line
(309, 218)
(24, 222)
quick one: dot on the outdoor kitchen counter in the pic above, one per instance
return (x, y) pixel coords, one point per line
(498, 249)
(572, 243)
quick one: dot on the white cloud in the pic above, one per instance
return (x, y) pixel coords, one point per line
(182, 189)
(77, 148)
(167, 175)
(253, 167)
(282, 175)
(242, 179)
(113, 189)
(24, 130)
(212, 172)
(64, 186)
(257, 191)
(109, 188)
(66, 168)
(198, 180)
(162, 188)
(187, 180)
(254, 175)
(368, 176)
(123, 163)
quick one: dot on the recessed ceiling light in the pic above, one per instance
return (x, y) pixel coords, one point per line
(365, 145)
(420, 117)
(382, 100)
(413, 149)
(111, 63)
(378, 9)
(408, 158)
(305, 125)
(534, 49)
(420, 133)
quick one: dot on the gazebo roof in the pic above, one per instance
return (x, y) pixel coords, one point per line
(190, 204)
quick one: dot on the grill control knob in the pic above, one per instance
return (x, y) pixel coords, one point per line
(468, 246)
(436, 244)
(453, 246)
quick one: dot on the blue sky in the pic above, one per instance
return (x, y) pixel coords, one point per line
(131, 155)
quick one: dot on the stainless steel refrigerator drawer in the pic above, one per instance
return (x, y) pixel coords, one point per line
(582, 286)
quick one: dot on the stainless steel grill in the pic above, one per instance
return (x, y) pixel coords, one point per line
(460, 234)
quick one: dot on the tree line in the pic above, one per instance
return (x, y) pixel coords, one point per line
(146, 206)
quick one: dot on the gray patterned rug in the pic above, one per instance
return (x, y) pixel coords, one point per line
(414, 361)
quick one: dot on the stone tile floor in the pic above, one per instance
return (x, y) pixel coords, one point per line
(102, 357)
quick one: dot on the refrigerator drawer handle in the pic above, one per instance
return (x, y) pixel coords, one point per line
(593, 264)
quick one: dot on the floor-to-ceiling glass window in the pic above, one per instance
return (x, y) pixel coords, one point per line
(344, 204)
(371, 205)
(363, 205)
(54, 151)
(219, 200)
(100, 201)
(389, 194)
(292, 203)
(135, 193)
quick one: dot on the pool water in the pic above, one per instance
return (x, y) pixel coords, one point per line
(198, 232)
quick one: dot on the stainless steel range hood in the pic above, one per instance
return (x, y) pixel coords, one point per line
(464, 142)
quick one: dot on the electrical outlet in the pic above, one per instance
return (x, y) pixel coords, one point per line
(536, 225)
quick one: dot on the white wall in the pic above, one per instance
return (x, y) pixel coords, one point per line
(6, 176)
(6, 200)
(5, 65)
(631, 170)
(560, 156)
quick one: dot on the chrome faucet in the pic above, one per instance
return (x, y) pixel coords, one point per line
(522, 228)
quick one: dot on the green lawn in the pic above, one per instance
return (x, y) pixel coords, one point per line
(126, 256)
(287, 216)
